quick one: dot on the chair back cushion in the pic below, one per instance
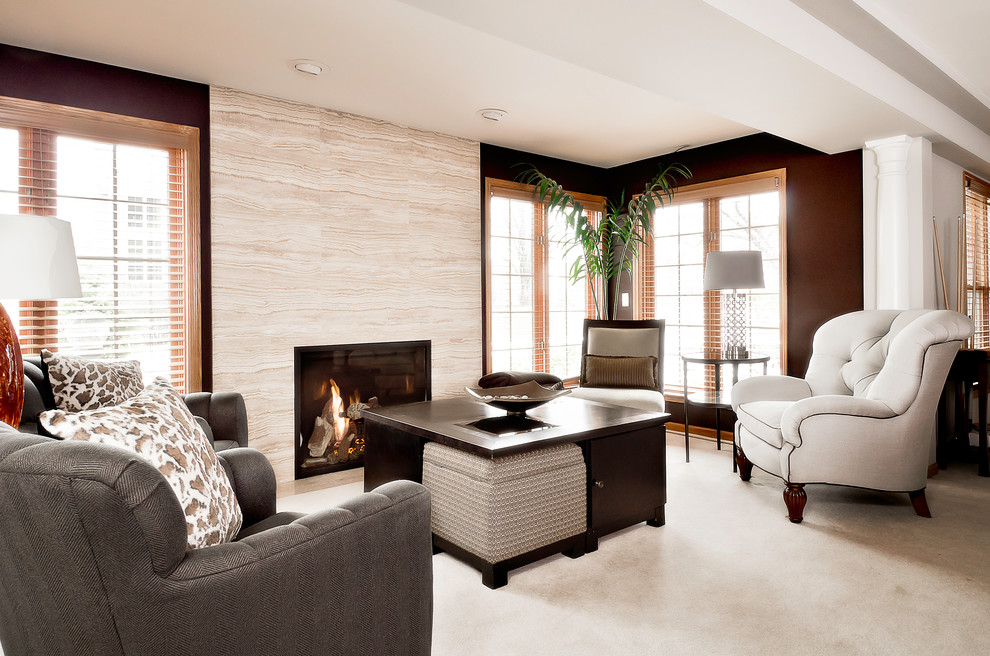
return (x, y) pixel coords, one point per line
(898, 383)
(622, 341)
(69, 484)
(878, 354)
(850, 350)
(631, 339)
(72, 512)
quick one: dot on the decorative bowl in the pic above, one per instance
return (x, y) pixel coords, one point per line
(517, 399)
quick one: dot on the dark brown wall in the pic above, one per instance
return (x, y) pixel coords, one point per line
(506, 164)
(44, 77)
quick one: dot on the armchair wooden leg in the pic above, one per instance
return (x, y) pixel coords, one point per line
(920, 503)
(794, 498)
(745, 466)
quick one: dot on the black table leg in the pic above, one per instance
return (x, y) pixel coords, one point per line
(687, 425)
(981, 412)
(718, 428)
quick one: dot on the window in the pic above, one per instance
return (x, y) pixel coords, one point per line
(744, 213)
(977, 200)
(145, 213)
(124, 185)
(535, 314)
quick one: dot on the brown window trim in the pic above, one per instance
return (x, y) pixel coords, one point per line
(976, 290)
(519, 191)
(709, 193)
(42, 117)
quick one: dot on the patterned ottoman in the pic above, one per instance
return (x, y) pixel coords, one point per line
(501, 513)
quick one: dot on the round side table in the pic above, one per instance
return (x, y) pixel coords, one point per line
(718, 399)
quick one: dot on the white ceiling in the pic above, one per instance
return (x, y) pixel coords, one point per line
(584, 80)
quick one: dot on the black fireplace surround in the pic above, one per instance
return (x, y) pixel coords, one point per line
(330, 437)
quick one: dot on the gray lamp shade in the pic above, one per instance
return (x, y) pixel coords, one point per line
(734, 270)
(37, 258)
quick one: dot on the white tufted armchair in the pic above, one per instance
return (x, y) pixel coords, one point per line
(864, 413)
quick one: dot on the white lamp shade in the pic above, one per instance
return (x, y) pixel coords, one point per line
(37, 258)
(734, 270)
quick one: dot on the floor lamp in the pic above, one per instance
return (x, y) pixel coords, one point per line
(38, 263)
(734, 270)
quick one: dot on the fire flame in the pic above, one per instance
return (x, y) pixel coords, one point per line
(342, 424)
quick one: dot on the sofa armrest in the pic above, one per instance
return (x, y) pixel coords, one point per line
(829, 404)
(254, 483)
(769, 388)
(225, 412)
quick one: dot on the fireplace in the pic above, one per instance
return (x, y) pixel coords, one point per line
(334, 383)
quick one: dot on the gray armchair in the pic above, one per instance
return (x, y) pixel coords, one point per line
(93, 560)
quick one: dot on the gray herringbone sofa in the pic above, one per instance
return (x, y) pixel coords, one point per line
(221, 415)
(93, 560)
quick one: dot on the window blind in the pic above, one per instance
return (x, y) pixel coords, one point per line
(123, 184)
(742, 213)
(977, 197)
(534, 313)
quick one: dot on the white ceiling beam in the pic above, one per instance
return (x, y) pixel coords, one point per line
(798, 31)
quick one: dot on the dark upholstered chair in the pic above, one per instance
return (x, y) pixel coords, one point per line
(93, 560)
(222, 415)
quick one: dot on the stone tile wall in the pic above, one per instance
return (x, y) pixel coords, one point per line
(333, 228)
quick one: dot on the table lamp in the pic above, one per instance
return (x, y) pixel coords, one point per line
(734, 270)
(37, 263)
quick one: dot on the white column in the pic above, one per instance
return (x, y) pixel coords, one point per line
(897, 234)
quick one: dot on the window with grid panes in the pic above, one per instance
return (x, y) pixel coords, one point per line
(744, 213)
(123, 185)
(977, 204)
(535, 313)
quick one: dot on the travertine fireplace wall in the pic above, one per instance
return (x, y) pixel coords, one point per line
(334, 228)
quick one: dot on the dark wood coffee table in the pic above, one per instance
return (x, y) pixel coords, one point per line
(624, 449)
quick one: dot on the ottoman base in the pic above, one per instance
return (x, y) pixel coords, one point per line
(495, 575)
(500, 513)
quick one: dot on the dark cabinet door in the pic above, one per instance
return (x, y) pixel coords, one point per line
(628, 476)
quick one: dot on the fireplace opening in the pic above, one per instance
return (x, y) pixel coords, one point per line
(334, 383)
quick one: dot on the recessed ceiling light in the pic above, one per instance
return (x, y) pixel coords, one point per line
(492, 114)
(308, 66)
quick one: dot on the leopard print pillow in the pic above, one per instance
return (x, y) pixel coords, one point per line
(157, 425)
(81, 384)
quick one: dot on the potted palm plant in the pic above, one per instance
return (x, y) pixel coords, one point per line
(609, 248)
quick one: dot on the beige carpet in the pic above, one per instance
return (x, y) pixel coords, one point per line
(729, 574)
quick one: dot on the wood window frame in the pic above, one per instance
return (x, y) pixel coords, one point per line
(520, 191)
(710, 193)
(182, 143)
(976, 287)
